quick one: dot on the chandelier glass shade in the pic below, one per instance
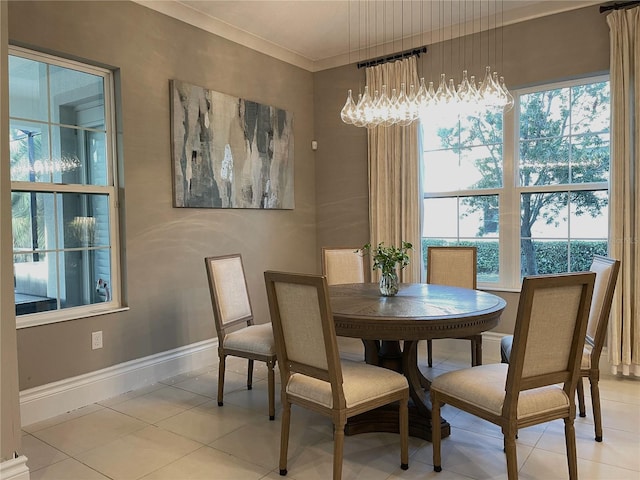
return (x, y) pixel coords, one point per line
(383, 108)
(382, 104)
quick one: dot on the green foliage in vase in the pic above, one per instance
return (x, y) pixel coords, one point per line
(388, 259)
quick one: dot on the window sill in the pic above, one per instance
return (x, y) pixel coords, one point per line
(34, 320)
(488, 288)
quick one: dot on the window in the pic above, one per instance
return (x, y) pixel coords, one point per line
(63, 188)
(540, 208)
(462, 183)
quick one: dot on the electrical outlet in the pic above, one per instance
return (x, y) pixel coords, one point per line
(96, 340)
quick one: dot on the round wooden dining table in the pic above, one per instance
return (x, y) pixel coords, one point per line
(390, 328)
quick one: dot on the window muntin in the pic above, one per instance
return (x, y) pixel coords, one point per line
(64, 204)
(462, 179)
(459, 221)
(462, 154)
(565, 238)
(563, 170)
(550, 172)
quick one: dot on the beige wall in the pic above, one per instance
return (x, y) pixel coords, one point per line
(342, 198)
(167, 290)
(547, 49)
(166, 285)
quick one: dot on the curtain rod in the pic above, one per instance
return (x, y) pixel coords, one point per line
(395, 56)
(618, 6)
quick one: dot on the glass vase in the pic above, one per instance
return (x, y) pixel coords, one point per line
(389, 284)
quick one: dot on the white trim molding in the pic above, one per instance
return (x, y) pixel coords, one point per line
(46, 401)
(15, 469)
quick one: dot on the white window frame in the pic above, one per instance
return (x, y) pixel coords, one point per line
(509, 194)
(110, 190)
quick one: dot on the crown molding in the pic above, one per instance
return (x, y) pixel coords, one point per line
(191, 16)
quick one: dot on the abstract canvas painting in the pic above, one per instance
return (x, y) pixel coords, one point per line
(229, 152)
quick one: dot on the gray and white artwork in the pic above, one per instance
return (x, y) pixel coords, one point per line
(229, 152)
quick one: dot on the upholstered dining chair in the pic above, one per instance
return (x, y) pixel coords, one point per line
(343, 265)
(238, 336)
(539, 384)
(456, 267)
(606, 270)
(313, 375)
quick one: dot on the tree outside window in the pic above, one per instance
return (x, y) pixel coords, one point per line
(559, 156)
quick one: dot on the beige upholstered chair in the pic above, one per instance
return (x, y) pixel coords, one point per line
(313, 376)
(343, 265)
(606, 270)
(457, 267)
(237, 334)
(550, 329)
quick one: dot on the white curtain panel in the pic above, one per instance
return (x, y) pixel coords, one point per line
(394, 193)
(624, 326)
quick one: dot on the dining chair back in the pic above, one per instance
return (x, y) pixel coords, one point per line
(456, 267)
(343, 265)
(238, 335)
(606, 270)
(313, 376)
(539, 383)
(453, 266)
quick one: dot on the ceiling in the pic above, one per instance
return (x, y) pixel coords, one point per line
(320, 34)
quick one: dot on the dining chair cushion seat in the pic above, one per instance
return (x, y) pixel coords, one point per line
(361, 383)
(505, 348)
(484, 387)
(254, 338)
(506, 343)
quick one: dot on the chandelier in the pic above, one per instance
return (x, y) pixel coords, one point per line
(24, 168)
(403, 107)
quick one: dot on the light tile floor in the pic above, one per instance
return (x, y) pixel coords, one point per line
(174, 430)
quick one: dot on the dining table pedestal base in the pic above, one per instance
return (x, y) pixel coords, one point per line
(391, 327)
(385, 419)
(389, 354)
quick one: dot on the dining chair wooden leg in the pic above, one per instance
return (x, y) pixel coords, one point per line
(284, 435)
(580, 394)
(250, 375)
(404, 433)
(476, 350)
(271, 382)
(474, 358)
(597, 411)
(435, 432)
(512, 457)
(570, 440)
(338, 447)
(429, 354)
(221, 362)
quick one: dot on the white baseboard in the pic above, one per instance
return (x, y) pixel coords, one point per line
(46, 401)
(14, 469)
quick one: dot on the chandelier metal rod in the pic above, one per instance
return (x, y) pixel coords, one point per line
(390, 58)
